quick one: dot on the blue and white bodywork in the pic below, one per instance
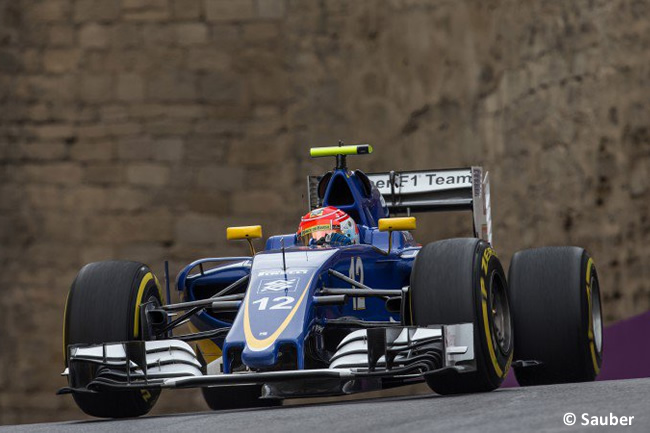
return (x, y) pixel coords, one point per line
(291, 312)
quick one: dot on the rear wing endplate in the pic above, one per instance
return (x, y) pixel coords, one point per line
(432, 191)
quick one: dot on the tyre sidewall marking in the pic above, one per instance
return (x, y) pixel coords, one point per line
(146, 395)
(65, 326)
(590, 324)
(138, 300)
(486, 327)
(485, 259)
(142, 289)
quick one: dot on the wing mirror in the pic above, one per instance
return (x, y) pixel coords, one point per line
(247, 233)
(392, 224)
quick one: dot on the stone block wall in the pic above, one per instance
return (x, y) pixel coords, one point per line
(141, 129)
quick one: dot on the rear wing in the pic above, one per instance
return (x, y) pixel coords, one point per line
(432, 191)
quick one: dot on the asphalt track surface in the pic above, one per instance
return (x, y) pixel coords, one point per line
(506, 410)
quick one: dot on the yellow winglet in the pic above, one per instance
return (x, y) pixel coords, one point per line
(392, 224)
(245, 232)
(356, 149)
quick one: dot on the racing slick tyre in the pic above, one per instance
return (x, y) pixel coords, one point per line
(461, 281)
(103, 306)
(555, 303)
(238, 397)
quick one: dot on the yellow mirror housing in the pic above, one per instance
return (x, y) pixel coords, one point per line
(393, 224)
(245, 232)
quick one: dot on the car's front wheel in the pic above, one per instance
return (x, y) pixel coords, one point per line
(462, 281)
(103, 306)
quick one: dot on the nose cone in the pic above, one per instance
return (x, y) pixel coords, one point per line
(260, 359)
(277, 308)
(266, 331)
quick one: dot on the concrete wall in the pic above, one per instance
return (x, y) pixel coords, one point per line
(142, 128)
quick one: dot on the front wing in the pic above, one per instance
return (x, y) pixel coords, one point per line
(364, 359)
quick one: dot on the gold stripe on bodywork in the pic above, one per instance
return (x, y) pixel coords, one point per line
(257, 344)
(209, 348)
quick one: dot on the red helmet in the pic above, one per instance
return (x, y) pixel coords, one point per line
(327, 225)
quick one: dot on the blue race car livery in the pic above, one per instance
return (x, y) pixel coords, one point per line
(313, 318)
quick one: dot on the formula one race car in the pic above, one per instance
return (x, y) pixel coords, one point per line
(349, 303)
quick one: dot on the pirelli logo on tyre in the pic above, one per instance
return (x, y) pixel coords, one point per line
(500, 370)
(487, 255)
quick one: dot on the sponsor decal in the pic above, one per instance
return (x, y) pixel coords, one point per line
(279, 285)
(317, 212)
(270, 273)
(421, 182)
(275, 286)
(318, 228)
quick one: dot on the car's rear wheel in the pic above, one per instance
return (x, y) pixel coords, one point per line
(103, 306)
(462, 281)
(237, 397)
(555, 298)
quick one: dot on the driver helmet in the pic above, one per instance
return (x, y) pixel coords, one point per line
(327, 226)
